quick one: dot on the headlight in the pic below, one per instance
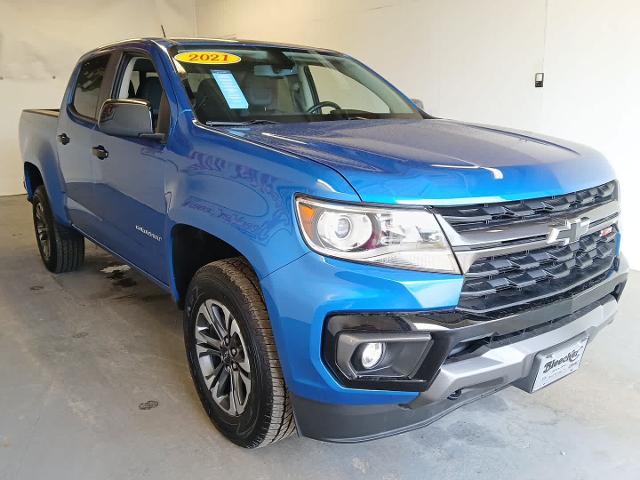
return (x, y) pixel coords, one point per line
(394, 237)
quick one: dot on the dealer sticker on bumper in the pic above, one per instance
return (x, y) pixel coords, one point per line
(559, 363)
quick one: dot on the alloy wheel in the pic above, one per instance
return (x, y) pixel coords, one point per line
(223, 357)
(42, 231)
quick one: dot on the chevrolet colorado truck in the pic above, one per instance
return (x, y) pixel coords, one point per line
(349, 266)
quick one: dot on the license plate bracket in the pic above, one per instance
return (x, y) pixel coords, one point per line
(554, 363)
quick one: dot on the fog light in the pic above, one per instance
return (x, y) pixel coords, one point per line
(371, 354)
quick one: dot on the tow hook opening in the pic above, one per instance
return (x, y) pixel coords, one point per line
(455, 395)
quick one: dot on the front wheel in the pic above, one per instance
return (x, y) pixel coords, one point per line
(61, 248)
(232, 355)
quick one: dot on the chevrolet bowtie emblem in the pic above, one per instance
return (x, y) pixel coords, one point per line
(572, 230)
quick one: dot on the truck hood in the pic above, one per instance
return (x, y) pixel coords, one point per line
(438, 162)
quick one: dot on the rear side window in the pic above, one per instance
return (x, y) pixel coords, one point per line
(87, 92)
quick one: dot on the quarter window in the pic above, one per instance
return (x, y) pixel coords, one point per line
(87, 92)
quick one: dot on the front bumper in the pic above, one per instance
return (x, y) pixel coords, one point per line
(505, 364)
(301, 296)
(456, 384)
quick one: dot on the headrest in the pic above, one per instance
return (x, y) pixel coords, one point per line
(151, 89)
(260, 91)
(144, 65)
(209, 103)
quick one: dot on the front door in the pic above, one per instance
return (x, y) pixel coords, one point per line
(129, 182)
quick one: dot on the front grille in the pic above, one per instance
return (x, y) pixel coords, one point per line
(507, 282)
(489, 215)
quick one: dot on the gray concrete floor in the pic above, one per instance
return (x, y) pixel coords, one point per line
(80, 353)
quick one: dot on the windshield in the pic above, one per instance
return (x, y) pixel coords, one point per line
(271, 84)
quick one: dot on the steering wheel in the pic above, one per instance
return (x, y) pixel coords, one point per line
(320, 105)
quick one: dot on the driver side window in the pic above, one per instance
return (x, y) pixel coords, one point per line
(334, 86)
(140, 81)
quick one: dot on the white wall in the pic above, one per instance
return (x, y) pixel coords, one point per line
(476, 60)
(592, 93)
(40, 43)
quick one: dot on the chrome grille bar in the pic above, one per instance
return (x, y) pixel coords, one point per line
(549, 248)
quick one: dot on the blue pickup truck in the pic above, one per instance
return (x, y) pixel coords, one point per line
(349, 266)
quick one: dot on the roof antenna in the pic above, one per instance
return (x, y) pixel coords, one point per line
(164, 34)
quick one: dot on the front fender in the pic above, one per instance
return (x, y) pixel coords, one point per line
(243, 194)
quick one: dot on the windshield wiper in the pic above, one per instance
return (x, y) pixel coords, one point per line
(357, 114)
(236, 124)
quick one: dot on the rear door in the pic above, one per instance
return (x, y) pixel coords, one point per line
(129, 185)
(76, 128)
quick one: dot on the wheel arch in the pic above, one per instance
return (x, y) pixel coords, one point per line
(32, 179)
(40, 166)
(192, 248)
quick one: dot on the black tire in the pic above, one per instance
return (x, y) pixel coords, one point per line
(267, 416)
(61, 248)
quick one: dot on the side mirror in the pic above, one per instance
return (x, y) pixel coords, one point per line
(418, 103)
(126, 118)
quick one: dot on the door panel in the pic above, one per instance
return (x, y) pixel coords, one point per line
(129, 182)
(77, 170)
(130, 199)
(76, 128)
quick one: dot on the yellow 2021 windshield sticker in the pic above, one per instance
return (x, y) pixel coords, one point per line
(208, 58)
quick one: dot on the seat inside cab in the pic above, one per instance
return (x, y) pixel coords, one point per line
(140, 80)
(264, 94)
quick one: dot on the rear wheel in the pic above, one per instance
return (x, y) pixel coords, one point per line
(61, 248)
(232, 355)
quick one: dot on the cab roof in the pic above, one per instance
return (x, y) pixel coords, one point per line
(204, 42)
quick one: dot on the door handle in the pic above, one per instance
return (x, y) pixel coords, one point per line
(63, 138)
(100, 152)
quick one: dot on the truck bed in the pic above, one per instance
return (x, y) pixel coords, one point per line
(39, 147)
(51, 112)
(37, 133)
